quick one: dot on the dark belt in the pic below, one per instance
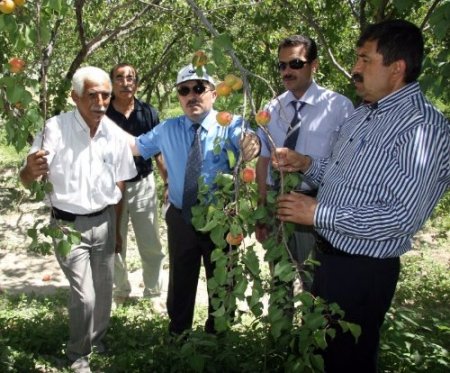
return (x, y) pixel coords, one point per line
(311, 193)
(138, 177)
(325, 247)
(68, 216)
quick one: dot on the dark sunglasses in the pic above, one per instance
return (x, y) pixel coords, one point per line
(295, 64)
(197, 89)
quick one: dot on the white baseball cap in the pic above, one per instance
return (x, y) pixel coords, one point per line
(190, 73)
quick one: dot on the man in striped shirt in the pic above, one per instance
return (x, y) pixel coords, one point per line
(388, 169)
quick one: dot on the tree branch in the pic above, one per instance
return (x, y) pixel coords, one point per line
(428, 15)
(309, 18)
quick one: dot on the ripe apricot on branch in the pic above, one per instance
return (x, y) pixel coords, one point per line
(234, 240)
(237, 85)
(224, 118)
(7, 6)
(248, 175)
(223, 89)
(199, 59)
(16, 65)
(262, 118)
(230, 79)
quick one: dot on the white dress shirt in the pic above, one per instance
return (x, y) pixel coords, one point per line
(321, 118)
(84, 170)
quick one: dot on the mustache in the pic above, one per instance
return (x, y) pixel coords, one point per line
(288, 76)
(126, 90)
(192, 102)
(357, 78)
(99, 109)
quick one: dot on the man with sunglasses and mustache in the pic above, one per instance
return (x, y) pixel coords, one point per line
(140, 202)
(174, 139)
(388, 169)
(86, 158)
(309, 117)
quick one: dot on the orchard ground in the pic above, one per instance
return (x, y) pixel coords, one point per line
(24, 272)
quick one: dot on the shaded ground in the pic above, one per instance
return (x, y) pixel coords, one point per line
(25, 272)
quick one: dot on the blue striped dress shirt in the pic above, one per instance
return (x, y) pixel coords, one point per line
(388, 169)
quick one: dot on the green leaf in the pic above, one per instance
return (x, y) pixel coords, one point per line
(32, 232)
(223, 41)
(48, 187)
(231, 158)
(251, 262)
(220, 274)
(212, 284)
(217, 235)
(219, 312)
(198, 42)
(240, 287)
(74, 237)
(63, 247)
(320, 338)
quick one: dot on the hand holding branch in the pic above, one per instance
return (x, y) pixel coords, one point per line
(297, 208)
(288, 160)
(35, 168)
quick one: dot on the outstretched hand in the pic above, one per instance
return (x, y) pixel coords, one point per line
(250, 145)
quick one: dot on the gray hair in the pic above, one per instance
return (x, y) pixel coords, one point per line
(89, 73)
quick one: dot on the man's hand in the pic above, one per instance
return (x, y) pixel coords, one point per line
(35, 168)
(288, 160)
(250, 146)
(296, 208)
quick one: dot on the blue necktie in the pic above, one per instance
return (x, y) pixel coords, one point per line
(294, 128)
(192, 173)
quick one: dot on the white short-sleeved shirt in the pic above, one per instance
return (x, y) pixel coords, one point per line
(84, 170)
(322, 116)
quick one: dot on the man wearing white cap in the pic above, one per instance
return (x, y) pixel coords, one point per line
(174, 139)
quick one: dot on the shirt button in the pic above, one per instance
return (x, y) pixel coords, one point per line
(350, 139)
(322, 184)
(336, 163)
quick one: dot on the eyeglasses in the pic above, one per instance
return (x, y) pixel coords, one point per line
(295, 64)
(198, 89)
(122, 79)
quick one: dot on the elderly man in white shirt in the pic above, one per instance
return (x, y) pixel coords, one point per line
(86, 159)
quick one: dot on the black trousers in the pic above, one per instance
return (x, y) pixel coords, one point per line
(363, 287)
(187, 248)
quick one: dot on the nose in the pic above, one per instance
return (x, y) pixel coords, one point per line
(101, 99)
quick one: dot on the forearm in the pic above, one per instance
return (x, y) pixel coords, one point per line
(161, 168)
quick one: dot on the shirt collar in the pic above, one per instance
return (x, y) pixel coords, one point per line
(310, 97)
(82, 125)
(206, 123)
(395, 98)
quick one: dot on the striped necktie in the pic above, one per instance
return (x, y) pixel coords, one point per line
(294, 128)
(192, 173)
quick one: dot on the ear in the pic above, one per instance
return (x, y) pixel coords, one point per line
(74, 96)
(315, 65)
(399, 68)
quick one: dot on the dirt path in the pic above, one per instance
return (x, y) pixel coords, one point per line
(25, 272)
